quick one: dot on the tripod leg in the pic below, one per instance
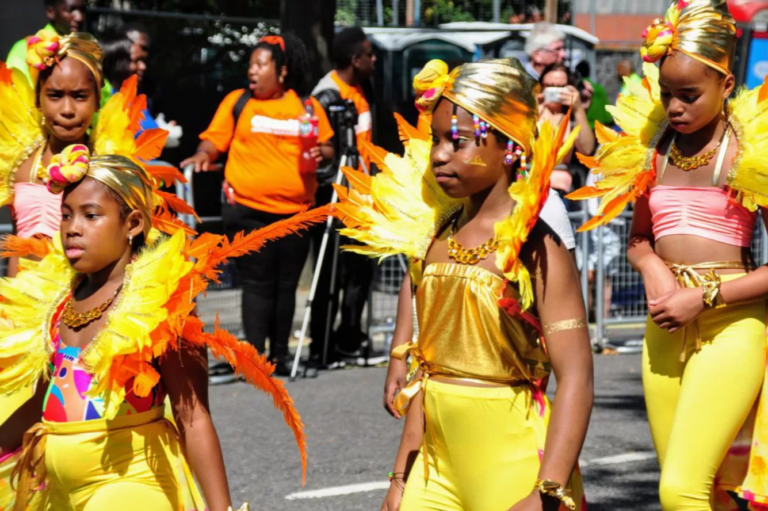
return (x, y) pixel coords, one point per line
(316, 276)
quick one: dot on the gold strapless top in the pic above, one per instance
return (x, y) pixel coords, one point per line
(463, 332)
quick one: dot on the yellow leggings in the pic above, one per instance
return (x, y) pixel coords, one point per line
(697, 407)
(484, 449)
(133, 463)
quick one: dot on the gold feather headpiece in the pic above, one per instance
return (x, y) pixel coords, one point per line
(498, 91)
(701, 29)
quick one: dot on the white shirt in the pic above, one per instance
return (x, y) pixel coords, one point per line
(556, 217)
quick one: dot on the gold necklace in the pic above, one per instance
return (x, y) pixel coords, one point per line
(76, 320)
(688, 163)
(461, 255)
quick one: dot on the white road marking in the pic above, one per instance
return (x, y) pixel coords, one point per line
(628, 457)
(336, 491)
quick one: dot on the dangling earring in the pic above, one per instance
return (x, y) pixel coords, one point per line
(484, 129)
(454, 127)
(523, 161)
(476, 122)
(130, 239)
(510, 153)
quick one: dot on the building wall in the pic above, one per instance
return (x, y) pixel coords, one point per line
(622, 6)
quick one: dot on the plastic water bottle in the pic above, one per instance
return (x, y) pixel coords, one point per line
(308, 134)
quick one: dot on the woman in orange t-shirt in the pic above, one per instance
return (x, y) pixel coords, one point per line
(268, 182)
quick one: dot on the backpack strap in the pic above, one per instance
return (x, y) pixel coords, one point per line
(237, 110)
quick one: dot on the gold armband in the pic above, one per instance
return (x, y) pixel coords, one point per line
(555, 490)
(710, 286)
(566, 324)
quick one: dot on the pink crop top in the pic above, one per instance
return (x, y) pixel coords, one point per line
(36, 210)
(704, 212)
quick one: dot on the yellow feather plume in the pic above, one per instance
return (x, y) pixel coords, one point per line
(24, 301)
(749, 175)
(403, 208)
(625, 161)
(21, 131)
(529, 193)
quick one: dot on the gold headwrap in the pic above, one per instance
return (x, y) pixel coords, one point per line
(498, 91)
(701, 29)
(45, 48)
(130, 181)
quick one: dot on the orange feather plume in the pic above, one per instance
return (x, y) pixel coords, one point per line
(177, 204)
(256, 369)
(166, 174)
(150, 144)
(252, 242)
(163, 220)
(14, 246)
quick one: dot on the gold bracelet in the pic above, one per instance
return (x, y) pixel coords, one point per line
(710, 285)
(566, 324)
(244, 507)
(555, 490)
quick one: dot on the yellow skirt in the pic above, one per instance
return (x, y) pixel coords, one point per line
(484, 448)
(131, 462)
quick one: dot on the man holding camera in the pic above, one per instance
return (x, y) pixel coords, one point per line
(341, 94)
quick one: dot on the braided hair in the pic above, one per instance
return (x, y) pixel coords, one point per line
(296, 60)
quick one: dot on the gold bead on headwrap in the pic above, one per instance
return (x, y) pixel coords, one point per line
(130, 181)
(701, 29)
(498, 91)
(45, 48)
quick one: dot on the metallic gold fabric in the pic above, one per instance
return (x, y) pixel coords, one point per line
(85, 48)
(566, 324)
(465, 334)
(688, 277)
(501, 93)
(702, 29)
(128, 180)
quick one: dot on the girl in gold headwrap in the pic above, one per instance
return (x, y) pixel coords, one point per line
(106, 317)
(479, 432)
(103, 327)
(35, 125)
(695, 163)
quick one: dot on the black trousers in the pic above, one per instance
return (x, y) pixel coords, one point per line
(354, 274)
(268, 279)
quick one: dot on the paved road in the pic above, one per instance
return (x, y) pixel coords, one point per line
(353, 441)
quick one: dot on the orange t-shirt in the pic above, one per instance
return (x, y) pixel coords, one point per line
(364, 120)
(264, 150)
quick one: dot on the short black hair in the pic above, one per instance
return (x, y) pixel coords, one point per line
(295, 59)
(52, 3)
(584, 69)
(347, 44)
(117, 60)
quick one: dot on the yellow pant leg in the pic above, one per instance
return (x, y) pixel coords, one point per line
(717, 390)
(662, 374)
(484, 449)
(128, 496)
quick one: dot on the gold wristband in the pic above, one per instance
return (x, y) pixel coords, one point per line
(566, 324)
(710, 286)
(244, 507)
(555, 490)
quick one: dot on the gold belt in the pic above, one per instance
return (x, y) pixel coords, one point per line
(30, 469)
(405, 396)
(688, 276)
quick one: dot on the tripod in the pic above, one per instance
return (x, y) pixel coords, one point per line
(349, 158)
